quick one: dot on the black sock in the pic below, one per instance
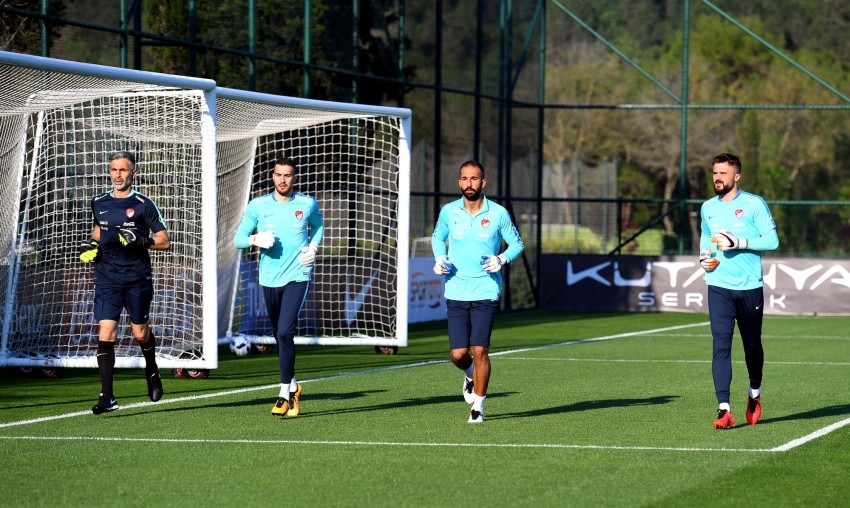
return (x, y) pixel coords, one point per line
(149, 352)
(106, 365)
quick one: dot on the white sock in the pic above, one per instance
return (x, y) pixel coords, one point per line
(755, 392)
(293, 385)
(724, 405)
(468, 371)
(284, 391)
(478, 403)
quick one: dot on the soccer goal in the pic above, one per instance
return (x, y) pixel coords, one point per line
(59, 121)
(355, 161)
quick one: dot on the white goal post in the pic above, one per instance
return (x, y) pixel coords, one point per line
(59, 121)
(355, 161)
(203, 152)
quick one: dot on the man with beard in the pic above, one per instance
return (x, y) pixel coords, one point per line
(475, 228)
(126, 226)
(289, 228)
(736, 227)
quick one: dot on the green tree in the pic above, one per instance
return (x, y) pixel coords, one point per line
(280, 46)
(23, 34)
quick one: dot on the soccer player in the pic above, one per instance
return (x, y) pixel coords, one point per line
(289, 228)
(475, 228)
(736, 227)
(120, 240)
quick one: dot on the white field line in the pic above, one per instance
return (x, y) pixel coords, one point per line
(635, 360)
(343, 375)
(599, 339)
(794, 443)
(764, 336)
(381, 443)
(220, 394)
(787, 446)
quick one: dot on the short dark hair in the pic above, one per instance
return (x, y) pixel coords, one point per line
(474, 164)
(123, 154)
(286, 161)
(728, 158)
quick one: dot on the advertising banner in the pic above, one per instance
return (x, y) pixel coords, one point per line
(591, 283)
(426, 302)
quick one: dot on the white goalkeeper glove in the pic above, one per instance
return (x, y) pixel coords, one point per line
(308, 254)
(726, 240)
(708, 263)
(493, 264)
(443, 266)
(262, 240)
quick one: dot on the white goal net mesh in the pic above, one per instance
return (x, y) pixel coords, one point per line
(200, 162)
(352, 165)
(56, 132)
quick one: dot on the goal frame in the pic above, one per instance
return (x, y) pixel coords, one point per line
(402, 208)
(208, 295)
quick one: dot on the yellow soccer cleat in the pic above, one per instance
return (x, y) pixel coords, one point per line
(295, 403)
(281, 407)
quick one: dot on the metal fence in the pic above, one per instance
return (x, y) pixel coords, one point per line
(594, 143)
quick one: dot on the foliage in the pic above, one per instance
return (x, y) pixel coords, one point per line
(23, 34)
(790, 153)
(569, 239)
(787, 153)
(280, 42)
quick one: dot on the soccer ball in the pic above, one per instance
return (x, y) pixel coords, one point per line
(240, 346)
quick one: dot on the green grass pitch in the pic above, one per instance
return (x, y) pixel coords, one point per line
(583, 410)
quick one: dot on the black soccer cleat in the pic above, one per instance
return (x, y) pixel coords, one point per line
(154, 384)
(104, 405)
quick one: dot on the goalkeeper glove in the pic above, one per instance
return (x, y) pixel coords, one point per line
(493, 264)
(262, 240)
(308, 254)
(708, 263)
(726, 240)
(130, 238)
(443, 266)
(88, 251)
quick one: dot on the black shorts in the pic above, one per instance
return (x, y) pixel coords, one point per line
(110, 300)
(470, 323)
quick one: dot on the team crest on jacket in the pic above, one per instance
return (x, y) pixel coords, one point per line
(299, 214)
(739, 213)
(130, 213)
(485, 223)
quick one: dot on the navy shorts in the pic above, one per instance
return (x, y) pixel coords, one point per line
(110, 300)
(470, 323)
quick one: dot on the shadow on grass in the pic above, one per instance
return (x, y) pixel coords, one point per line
(394, 405)
(589, 405)
(346, 396)
(837, 410)
(269, 400)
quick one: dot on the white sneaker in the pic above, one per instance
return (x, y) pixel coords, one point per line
(468, 390)
(476, 416)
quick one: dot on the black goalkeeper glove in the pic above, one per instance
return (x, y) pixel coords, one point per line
(130, 238)
(88, 251)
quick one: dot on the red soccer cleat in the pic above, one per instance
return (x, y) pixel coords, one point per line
(724, 420)
(753, 409)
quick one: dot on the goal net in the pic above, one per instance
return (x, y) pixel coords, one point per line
(58, 123)
(355, 161)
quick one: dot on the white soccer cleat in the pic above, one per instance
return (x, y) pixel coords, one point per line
(468, 390)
